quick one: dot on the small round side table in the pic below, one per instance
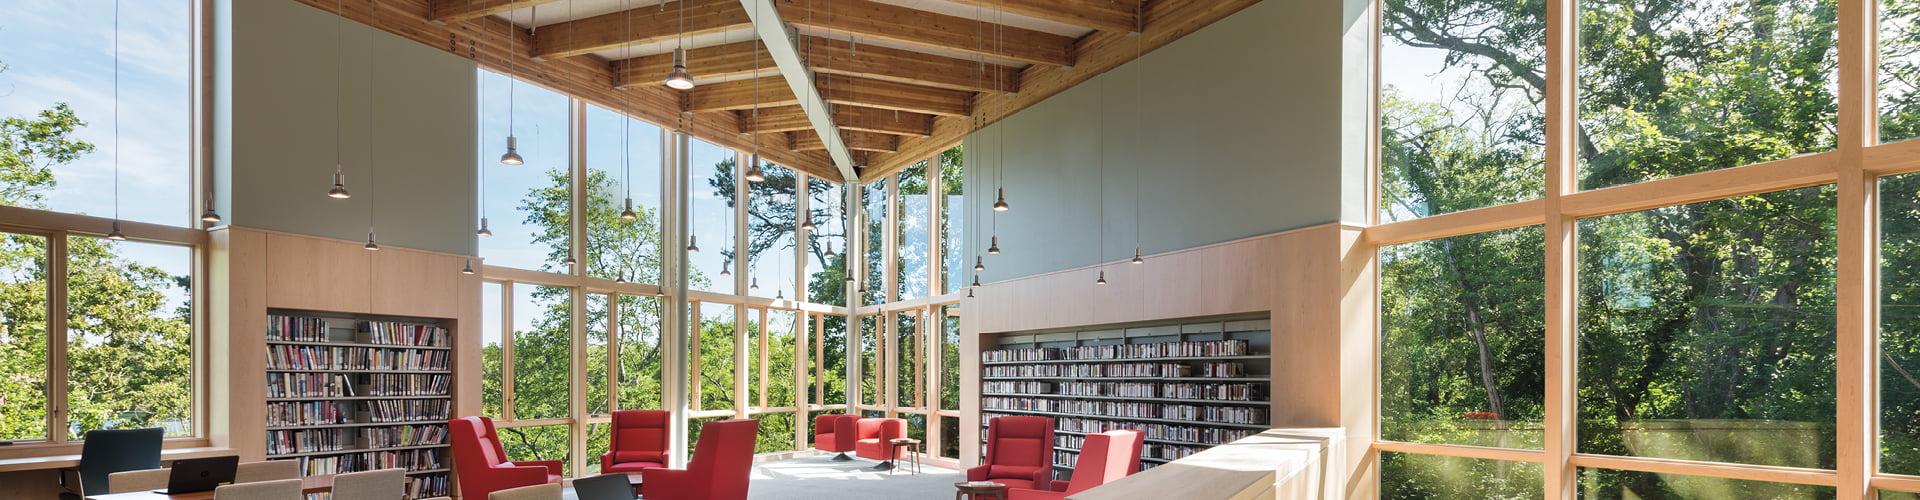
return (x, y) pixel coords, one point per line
(912, 445)
(972, 491)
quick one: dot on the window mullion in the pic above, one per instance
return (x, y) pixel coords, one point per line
(57, 337)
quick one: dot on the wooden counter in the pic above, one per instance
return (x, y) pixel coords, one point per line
(1278, 463)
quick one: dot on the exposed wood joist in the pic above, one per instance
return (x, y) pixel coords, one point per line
(453, 11)
(484, 39)
(648, 25)
(739, 94)
(1166, 21)
(772, 31)
(791, 118)
(1104, 15)
(806, 140)
(706, 63)
(867, 92)
(840, 57)
(868, 19)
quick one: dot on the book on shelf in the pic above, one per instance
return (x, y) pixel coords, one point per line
(1188, 349)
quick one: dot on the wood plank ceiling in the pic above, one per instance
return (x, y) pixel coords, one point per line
(905, 78)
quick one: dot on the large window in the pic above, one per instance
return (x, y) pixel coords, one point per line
(73, 147)
(711, 211)
(772, 219)
(617, 247)
(874, 288)
(827, 276)
(1685, 250)
(528, 207)
(953, 221)
(913, 233)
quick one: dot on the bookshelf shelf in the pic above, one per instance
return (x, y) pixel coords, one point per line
(1206, 367)
(352, 421)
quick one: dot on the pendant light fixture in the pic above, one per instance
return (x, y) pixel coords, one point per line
(1100, 200)
(693, 243)
(570, 260)
(210, 216)
(808, 224)
(1000, 45)
(756, 284)
(680, 79)
(1139, 120)
(468, 269)
(372, 44)
(979, 263)
(483, 221)
(626, 120)
(726, 269)
(830, 255)
(339, 189)
(512, 156)
(116, 235)
(753, 171)
(484, 231)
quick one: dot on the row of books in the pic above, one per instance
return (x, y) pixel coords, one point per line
(1017, 387)
(426, 486)
(407, 410)
(398, 333)
(1093, 370)
(1153, 430)
(408, 385)
(296, 328)
(403, 435)
(1064, 458)
(1129, 409)
(1224, 414)
(1165, 390)
(308, 441)
(411, 460)
(1199, 348)
(1225, 369)
(310, 357)
(303, 413)
(308, 385)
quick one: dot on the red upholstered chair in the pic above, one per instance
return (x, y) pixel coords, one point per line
(1104, 457)
(638, 442)
(873, 436)
(483, 464)
(828, 437)
(1019, 453)
(719, 470)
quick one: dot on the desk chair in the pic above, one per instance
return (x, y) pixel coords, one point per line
(270, 470)
(108, 451)
(383, 484)
(284, 489)
(549, 491)
(138, 480)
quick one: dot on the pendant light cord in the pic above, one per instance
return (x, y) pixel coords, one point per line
(484, 5)
(1140, 118)
(339, 48)
(511, 53)
(626, 103)
(373, 8)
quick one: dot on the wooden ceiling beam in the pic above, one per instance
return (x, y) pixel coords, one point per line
(791, 118)
(453, 11)
(1166, 21)
(706, 63)
(649, 25)
(869, 19)
(840, 57)
(807, 140)
(739, 94)
(1104, 15)
(867, 92)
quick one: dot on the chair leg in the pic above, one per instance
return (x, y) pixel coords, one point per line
(887, 465)
(842, 457)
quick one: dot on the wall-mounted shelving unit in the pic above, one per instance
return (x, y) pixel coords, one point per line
(350, 393)
(1187, 384)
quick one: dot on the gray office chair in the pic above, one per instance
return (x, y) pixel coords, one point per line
(383, 484)
(284, 489)
(138, 480)
(270, 470)
(108, 451)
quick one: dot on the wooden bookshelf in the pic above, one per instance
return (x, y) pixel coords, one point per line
(350, 393)
(1188, 385)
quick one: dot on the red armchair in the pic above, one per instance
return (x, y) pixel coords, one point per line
(1019, 453)
(828, 436)
(638, 442)
(873, 438)
(719, 470)
(1104, 457)
(483, 464)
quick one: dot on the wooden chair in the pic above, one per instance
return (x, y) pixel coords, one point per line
(383, 484)
(138, 480)
(284, 489)
(270, 470)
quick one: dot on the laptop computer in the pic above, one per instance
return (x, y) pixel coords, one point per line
(604, 487)
(193, 475)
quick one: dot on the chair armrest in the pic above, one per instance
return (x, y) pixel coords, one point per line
(1061, 486)
(553, 466)
(606, 459)
(1043, 478)
(977, 473)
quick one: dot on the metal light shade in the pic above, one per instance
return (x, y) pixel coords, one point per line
(339, 191)
(979, 263)
(693, 244)
(1136, 257)
(628, 213)
(1102, 280)
(679, 78)
(1001, 204)
(570, 261)
(370, 244)
(468, 269)
(116, 235)
(808, 225)
(976, 282)
(512, 156)
(210, 216)
(726, 269)
(830, 254)
(756, 284)
(483, 228)
(994, 249)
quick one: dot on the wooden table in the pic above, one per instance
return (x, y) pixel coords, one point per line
(968, 490)
(309, 484)
(912, 445)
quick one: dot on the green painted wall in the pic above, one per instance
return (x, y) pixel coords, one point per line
(1243, 136)
(275, 139)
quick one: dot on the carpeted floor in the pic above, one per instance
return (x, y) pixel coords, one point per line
(820, 478)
